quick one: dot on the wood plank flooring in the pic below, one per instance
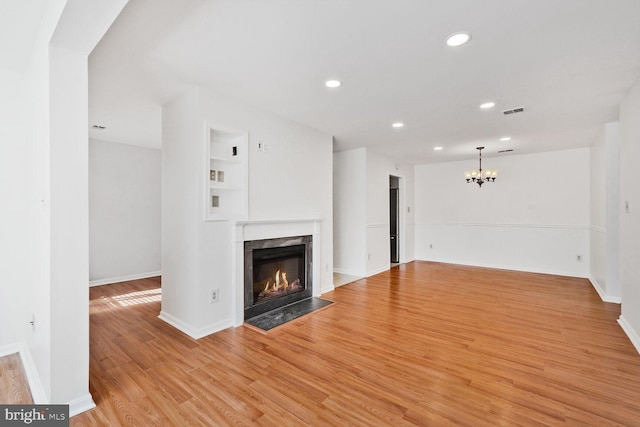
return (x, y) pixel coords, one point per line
(14, 386)
(424, 344)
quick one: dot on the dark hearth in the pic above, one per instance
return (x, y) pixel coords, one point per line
(278, 272)
(282, 315)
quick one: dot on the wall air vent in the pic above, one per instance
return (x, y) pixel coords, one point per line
(513, 111)
(505, 151)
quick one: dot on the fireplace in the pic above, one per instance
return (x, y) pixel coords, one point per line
(277, 272)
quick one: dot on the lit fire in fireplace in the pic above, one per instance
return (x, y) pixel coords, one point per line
(279, 286)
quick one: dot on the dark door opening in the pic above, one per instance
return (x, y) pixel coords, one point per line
(394, 203)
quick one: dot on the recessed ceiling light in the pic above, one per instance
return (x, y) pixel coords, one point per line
(437, 148)
(487, 105)
(458, 39)
(333, 83)
(505, 138)
(398, 125)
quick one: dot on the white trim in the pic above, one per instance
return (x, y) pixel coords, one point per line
(602, 230)
(631, 333)
(36, 388)
(378, 271)
(278, 221)
(601, 292)
(38, 393)
(81, 404)
(479, 224)
(120, 279)
(195, 333)
(503, 267)
(327, 288)
(7, 350)
(348, 272)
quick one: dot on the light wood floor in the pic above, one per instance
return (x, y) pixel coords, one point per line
(14, 386)
(340, 279)
(424, 344)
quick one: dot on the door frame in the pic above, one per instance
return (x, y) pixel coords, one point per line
(402, 212)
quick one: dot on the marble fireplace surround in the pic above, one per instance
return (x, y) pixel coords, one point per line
(245, 231)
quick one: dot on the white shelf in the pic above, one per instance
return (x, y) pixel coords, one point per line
(224, 187)
(225, 160)
(225, 173)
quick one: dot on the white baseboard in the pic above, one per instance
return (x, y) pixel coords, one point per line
(195, 333)
(505, 267)
(603, 295)
(38, 393)
(81, 404)
(347, 272)
(327, 288)
(37, 389)
(6, 350)
(378, 271)
(124, 278)
(631, 333)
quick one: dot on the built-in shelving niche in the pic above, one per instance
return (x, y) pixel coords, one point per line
(226, 174)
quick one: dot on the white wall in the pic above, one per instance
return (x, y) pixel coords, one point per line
(47, 145)
(292, 179)
(68, 198)
(612, 166)
(604, 213)
(181, 208)
(598, 214)
(379, 168)
(630, 218)
(350, 212)
(124, 212)
(535, 217)
(14, 224)
(361, 211)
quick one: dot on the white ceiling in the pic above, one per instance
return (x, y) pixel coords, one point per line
(568, 62)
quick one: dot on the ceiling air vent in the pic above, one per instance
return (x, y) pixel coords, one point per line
(505, 151)
(513, 111)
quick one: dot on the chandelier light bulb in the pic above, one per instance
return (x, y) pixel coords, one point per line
(478, 175)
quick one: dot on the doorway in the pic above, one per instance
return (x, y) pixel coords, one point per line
(394, 213)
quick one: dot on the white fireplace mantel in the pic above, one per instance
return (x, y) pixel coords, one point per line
(245, 231)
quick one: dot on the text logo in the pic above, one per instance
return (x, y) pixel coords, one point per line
(34, 415)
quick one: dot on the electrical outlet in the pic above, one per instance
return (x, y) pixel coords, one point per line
(214, 295)
(368, 257)
(430, 246)
(579, 258)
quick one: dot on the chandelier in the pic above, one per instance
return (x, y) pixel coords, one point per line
(478, 175)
